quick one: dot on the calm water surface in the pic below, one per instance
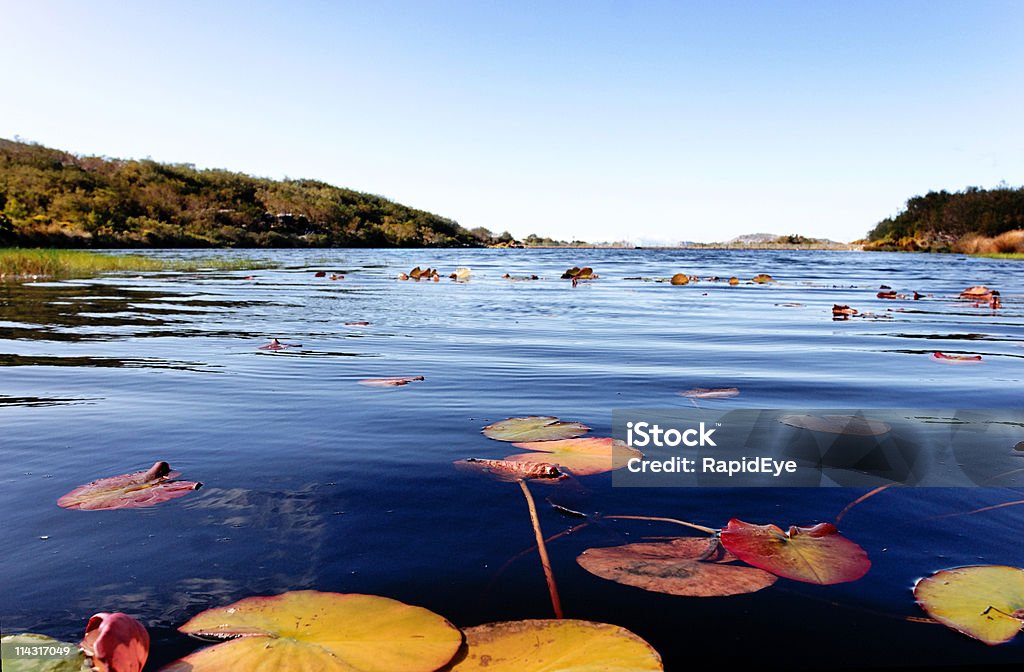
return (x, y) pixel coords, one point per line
(314, 481)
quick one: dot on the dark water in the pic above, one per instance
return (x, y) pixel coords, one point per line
(314, 481)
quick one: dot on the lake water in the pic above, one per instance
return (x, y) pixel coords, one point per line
(315, 481)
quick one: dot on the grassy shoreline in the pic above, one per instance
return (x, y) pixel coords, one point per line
(16, 263)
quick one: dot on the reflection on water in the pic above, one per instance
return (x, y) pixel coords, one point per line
(314, 481)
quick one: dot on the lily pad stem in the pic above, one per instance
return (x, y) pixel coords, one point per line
(542, 548)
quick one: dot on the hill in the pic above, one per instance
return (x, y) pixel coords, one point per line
(967, 221)
(50, 197)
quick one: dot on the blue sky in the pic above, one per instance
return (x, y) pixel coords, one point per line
(647, 121)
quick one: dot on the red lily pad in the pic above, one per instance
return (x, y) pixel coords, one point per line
(688, 566)
(127, 491)
(887, 294)
(956, 359)
(843, 310)
(359, 323)
(395, 381)
(116, 643)
(508, 470)
(817, 554)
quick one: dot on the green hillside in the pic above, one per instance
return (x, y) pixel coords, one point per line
(53, 198)
(942, 221)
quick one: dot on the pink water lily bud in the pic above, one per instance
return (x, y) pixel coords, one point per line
(116, 643)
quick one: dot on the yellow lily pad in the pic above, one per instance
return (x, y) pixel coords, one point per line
(555, 646)
(583, 457)
(534, 428)
(309, 630)
(985, 602)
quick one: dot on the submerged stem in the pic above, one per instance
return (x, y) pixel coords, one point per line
(556, 603)
(708, 530)
(860, 499)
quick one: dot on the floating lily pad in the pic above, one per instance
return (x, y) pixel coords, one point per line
(711, 393)
(976, 292)
(583, 457)
(985, 602)
(394, 381)
(116, 643)
(309, 630)
(850, 425)
(507, 470)
(534, 428)
(73, 661)
(555, 646)
(762, 278)
(680, 279)
(137, 489)
(689, 566)
(817, 554)
(956, 359)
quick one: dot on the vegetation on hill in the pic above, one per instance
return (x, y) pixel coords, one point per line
(973, 220)
(53, 198)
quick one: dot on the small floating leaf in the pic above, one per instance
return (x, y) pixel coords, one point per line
(689, 566)
(577, 273)
(985, 602)
(73, 661)
(394, 381)
(534, 428)
(850, 425)
(762, 278)
(817, 554)
(976, 292)
(680, 279)
(843, 310)
(116, 643)
(506, 470)
(137, 489)
(310, 630)
(583, 457)
(359, 323)
(711, 393)
(956, 359)
(734, 280)
(555, 645)
(886, 294)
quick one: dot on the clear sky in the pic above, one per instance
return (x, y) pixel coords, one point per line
(596, 120)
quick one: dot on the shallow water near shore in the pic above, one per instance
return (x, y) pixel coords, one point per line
(315, 481)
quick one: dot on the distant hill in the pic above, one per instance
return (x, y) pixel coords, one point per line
(753, 238)
(944, 221)
(49, 197)
(772, 241)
